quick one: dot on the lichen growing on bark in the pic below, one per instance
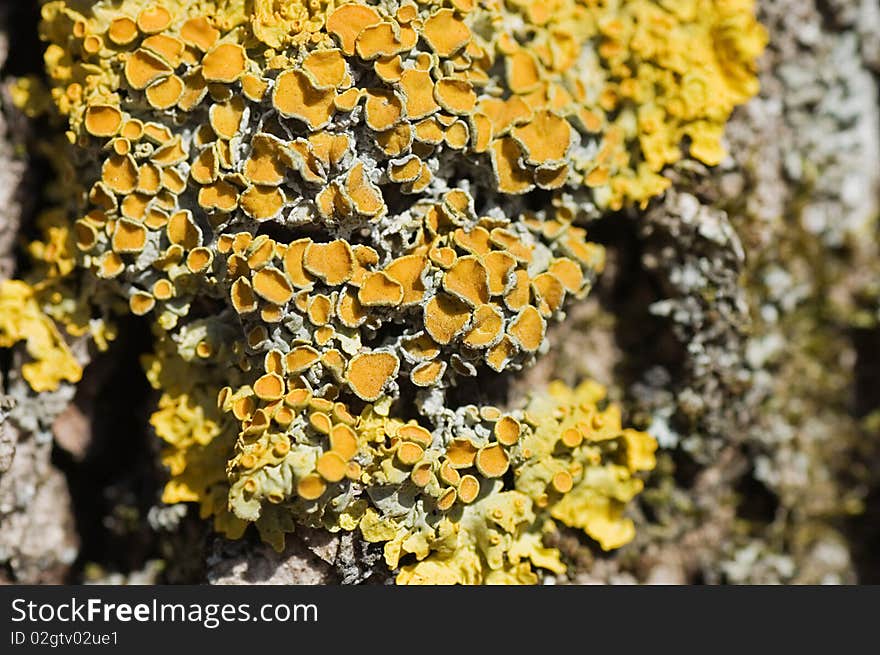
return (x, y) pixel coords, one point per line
(337, 216)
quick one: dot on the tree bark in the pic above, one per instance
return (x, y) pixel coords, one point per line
(737, 318)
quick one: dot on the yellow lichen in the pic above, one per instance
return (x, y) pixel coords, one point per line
(22, 320)
(287, 159)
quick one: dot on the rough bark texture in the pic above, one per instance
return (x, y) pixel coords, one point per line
(737, 318)
(310, 557)
(12, 170)
(38, 539)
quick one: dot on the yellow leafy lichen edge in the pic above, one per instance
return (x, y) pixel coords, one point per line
(23, 320)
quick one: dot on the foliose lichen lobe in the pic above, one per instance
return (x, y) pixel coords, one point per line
(329, 208)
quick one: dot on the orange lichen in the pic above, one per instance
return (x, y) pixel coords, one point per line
(170, 48)
(347, 22)
(332, 262)
(225, 117)
(467, 279)
(141, 303)
(487, 327)
(220, 195)
(445, 33)
(455, 96)
(269, 387)
(325, 68)
(363, 194)
(103, 120)
(381, 40)
(427, 374)
(262, 202)
(415, 433)
(468, 489)
(512, 177)
(319, 311)
(224, 63)
(242, 296)
(461, 454)
(386, 196)
(142, 68)
(507, 430)
(271, 284)
(129, 237)
(311, 487)
(492, 461)
(409, 453)
(528, 329)
(549, 293)
(122, 30)
(447, 500)
(182, 230)
(407, 271)
(295, 97)
(331, 466)
(165, 93)
(545, 139)
(266, 164)
(199, 33)
(445, 317)
(343, 441)
(153, 19)
(253, 87)
(380, 290)
(120, 173)
(369, 373)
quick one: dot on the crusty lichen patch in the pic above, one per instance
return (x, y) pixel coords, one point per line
(322, 205)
